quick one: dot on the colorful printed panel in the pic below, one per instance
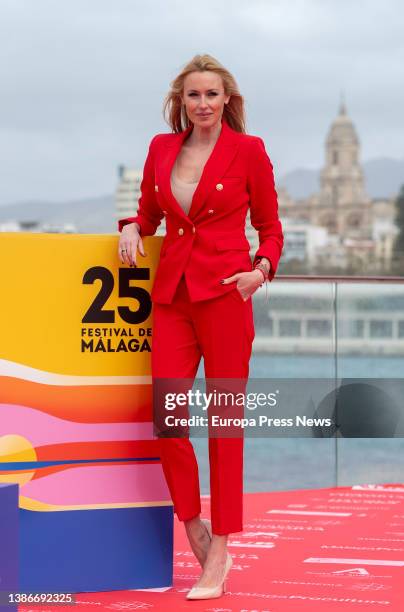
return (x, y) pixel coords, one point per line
(76, 429)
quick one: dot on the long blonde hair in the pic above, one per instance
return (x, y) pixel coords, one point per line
(174, 112)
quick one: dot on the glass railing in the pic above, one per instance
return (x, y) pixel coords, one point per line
(350, 331)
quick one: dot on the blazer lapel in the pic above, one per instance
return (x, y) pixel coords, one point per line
(220, 158)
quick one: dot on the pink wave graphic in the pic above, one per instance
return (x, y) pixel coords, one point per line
(41, 429)
(100, 485)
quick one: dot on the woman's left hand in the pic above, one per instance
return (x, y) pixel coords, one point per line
(247, 282)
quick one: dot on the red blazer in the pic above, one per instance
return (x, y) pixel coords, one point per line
(209, 243)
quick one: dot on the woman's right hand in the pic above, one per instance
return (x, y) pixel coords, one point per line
(129, 241)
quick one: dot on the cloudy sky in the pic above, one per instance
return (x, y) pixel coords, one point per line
(83, 81)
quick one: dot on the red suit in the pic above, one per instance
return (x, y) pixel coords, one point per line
(194, 314)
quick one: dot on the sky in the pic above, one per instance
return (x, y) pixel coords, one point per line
(83, 81)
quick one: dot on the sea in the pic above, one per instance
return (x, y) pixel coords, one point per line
(280, 464)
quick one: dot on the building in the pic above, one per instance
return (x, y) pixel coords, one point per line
(360, 229)
(303, 241)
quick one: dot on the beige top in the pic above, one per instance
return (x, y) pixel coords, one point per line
(182, 190)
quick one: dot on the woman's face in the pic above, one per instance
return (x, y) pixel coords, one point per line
(204, 98)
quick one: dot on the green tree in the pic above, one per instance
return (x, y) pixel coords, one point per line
(398, 251)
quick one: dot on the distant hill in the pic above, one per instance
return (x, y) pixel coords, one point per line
(383, 176)
(92, 215)
(300, 183)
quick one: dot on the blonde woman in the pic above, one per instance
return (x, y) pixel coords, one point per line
(203, 177)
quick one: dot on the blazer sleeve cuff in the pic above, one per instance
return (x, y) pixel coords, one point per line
(146, 228)
(123, 222)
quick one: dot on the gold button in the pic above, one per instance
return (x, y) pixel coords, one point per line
(210, 211)
(156, 187)
(219, 186)
(193, 229)
(181, 231)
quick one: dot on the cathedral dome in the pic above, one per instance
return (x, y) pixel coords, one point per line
(342, 130)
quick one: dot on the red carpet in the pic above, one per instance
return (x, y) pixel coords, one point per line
(317, 550)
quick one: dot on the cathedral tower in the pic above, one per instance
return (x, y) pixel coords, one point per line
(343, 206)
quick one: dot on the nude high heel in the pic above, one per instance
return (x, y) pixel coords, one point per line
(212, 592)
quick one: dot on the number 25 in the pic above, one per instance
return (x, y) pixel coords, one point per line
(95, 314)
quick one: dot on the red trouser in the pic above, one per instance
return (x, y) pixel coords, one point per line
(221, 330)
